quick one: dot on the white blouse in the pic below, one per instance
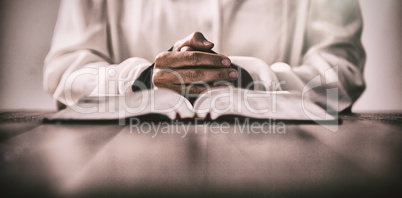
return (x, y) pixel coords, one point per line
(311, 46)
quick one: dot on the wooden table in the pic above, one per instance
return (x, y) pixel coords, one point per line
(363, 157)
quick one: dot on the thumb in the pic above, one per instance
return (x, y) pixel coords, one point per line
(196, 41)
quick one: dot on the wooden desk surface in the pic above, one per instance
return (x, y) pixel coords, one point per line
(363, 157)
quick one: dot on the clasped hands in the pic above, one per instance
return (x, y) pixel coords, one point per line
(192, 67)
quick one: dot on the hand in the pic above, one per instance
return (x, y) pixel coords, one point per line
(190, 72)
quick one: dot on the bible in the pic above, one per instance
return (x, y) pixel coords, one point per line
(212, 104)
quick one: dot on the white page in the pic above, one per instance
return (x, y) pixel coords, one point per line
(217, 102)
(158, 101)
(258, 104)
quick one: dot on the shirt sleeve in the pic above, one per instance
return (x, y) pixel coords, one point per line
(80, 61)
(331, 57)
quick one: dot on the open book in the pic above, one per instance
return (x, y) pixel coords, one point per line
(213, 104)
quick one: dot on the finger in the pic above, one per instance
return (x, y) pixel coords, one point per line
(196, 41)
(162, 79)
(186, 49)
(185, 90)
(189, 59)
(188, 76)
(192, 89)
(207, 75)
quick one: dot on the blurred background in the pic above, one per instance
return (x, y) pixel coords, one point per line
(27, 28)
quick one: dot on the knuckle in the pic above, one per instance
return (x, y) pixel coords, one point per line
(182, 75)
(175, 75)
(158, 78)
(157, 82)
(192, 57)
(161, 58)
(161, 55)
(194, 75)
(157, 74)
(198, 75)
(222, 75)
(195, 89)
(189, 75)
